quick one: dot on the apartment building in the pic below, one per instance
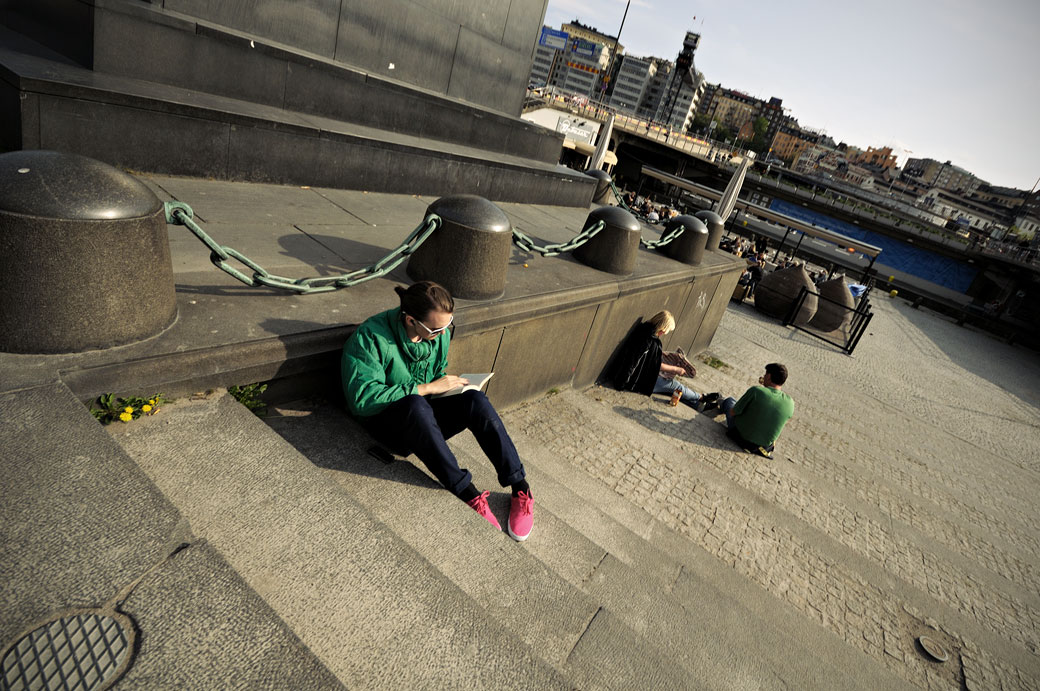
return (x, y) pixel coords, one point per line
(947, 176)
(632, 83)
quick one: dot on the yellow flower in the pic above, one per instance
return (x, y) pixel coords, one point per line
(145, 408)
(126, 417)
(128, 409)
(151, 401)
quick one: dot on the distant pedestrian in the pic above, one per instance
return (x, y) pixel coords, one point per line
(756, 272)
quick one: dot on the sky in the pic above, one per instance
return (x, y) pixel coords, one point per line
(952, 80)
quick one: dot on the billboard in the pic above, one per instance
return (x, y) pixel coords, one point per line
(553, 39)
(586, 49)
(579, 129)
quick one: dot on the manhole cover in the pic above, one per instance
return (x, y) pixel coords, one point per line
(82, 651)
(934, 649)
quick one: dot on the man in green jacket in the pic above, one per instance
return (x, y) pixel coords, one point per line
(756, 420)
(392, 368)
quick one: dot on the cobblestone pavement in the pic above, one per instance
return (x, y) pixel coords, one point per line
(901, 500)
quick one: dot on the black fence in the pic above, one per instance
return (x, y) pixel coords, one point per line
(834, 322)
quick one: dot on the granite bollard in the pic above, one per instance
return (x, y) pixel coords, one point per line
(614, 248)
(715, 225)
(778, 291)
(469, 253)
(603, 194)
(84, 256)
(688, 248)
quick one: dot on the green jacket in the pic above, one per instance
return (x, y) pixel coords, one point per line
(381, 365)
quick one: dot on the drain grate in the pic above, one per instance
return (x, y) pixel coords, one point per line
(82, 651)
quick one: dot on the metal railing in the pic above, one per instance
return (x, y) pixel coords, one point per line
(648, 129)
(850, 323)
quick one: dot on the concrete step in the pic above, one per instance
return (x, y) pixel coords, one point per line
(119, 120)
(80, 523)
(709, 617)
(195, 54)
(706, 633)
(373, 610)
(538, 598)
(573, 518)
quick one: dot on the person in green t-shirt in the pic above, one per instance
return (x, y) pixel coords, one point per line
(756, 420)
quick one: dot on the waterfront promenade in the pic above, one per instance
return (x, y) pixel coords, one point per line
(901, 501)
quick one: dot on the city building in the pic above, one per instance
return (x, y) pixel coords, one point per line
(963, 213)
(631, 83)
(706, 104)
(882, 158)
(610, 52)
(788, 144)
(574, 59)
(655, 89)
(947, 176)
(733, 108)
(1004, 197)
(544, 58)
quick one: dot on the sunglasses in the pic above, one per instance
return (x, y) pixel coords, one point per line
(432, 332)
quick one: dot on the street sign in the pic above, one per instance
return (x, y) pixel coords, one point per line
(580, 46)
(553, 39)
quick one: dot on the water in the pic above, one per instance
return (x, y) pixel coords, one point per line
(898, 254)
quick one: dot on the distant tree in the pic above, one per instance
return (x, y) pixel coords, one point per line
(700, 124)
(721, 133)
(759, 142)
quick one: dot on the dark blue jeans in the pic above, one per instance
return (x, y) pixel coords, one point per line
(418, 425)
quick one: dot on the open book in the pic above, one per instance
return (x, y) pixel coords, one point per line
(476, 382)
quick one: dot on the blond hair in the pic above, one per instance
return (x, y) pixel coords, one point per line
(663, 321)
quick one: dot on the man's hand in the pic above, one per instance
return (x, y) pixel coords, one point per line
(442, 385)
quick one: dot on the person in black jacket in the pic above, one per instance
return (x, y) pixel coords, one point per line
(641, 366)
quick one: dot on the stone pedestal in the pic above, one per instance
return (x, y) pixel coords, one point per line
(614, 248)
(84, 256)
(469, 253)
(688, 248)
(777, 292)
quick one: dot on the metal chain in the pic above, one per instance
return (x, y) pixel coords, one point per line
(654, 244)
(649, 244)
(181, 214)
(526, 243)
(617, 195)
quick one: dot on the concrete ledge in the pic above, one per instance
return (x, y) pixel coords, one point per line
(141, 125)
(144, 42)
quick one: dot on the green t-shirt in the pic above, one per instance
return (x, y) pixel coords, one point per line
(761, 413)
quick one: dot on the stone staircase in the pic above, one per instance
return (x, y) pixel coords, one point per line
(157, 91)
(391, 581)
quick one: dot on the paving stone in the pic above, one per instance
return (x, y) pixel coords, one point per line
(899, 456)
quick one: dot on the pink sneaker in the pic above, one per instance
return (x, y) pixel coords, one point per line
(521, 516)
(480, 505)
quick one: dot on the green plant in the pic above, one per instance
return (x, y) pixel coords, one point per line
(249, 396)
(713, 362)
(553, 391)
(124, 409)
